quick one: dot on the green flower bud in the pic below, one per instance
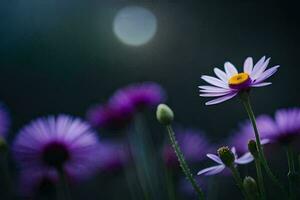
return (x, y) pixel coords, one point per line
(226, 156)
(250, 186)
(3, 145)
(253, 148)
(164, 114)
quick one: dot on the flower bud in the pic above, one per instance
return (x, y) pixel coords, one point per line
(164, 114)
(250, 186)
(226, 156)
(253, 148)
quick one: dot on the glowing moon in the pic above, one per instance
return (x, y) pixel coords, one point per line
(134, 25)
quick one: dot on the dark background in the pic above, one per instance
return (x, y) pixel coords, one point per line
(62, 56)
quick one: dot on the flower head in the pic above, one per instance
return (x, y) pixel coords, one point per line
(192, 143)
(231, 82)
(4, 121)
(124, 103)
(284, 128)
(244, 159)
(61, 143)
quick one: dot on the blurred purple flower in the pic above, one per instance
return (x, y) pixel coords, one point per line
(187, 189)
(4, 121)
(48, 144)
(244, 159)
(113, 155)
(245, 133)
(192, 143)
(124, 103)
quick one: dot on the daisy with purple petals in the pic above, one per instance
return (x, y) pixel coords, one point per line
(52, 144)
(244, 159)
(231, 82)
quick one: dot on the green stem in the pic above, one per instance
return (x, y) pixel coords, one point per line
(183, 164)
(292, 172)
(238, 180)
(63, 190)
(260, 179)
(246, 101)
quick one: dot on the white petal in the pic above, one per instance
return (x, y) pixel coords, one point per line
(222, 75)
(205, 88)
(248, 65)
(214, 81)
(261, 84)
(267, 74)
(211, 170)
(214, 158)
(221, 99)
(265, 141)
(230, 69)
(257, 66)
(214, 94)
(244, 159)
(263, 67)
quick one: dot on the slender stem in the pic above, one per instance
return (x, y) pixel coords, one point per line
(292, 172)
(185, 168)
(238, 180)
(260, 179)
(63, 192)
(246, 101)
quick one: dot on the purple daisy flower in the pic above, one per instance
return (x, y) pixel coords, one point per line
(245, 133)
(285, 128)
(110, 116)
(61, 143)
(244, 159)
(141, 95)
(4, 121)
(113, 155)
(193, 145)
(230, 83)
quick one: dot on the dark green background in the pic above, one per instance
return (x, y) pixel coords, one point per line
(62, 56)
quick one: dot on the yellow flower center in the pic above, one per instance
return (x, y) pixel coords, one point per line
(238, 79)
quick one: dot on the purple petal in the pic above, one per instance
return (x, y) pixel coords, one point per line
(222, 75)
(214, 158)
(248, 65)
(211, 170)
(221, 99)
(244, 159)
(265, 141)
(257, 66)
(261, 69)
(261, 84)
(267, 74)
(230, 69)
(214, 81)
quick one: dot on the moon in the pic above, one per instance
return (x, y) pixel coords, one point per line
(134, 25)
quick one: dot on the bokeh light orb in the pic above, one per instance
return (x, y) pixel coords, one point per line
(135, 25)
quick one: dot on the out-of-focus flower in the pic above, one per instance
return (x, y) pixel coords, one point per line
(4, 121)
(285, 128)
(245, 133)
(193, 145)
(62, 143)
(187, 189)
(141, 95)
(244, 159)
(124, 103)
(230, 83)
(113, 155)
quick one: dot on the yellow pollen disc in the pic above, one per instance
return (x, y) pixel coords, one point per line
(238, 79)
